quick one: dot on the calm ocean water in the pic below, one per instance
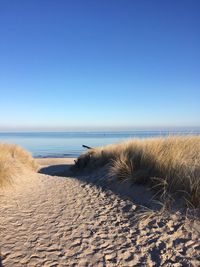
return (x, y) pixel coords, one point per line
(69, 144)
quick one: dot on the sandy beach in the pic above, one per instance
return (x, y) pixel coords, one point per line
(51, 220)
(99, 133)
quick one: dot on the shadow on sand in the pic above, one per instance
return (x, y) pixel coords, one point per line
(1, 264)
(56, 170)
(138, 194)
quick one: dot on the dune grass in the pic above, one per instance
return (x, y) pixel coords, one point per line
(14, 160)
(168, 165)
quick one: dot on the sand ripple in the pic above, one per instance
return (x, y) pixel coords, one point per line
(54, 221)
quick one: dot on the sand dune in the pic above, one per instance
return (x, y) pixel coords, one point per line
(71, 221)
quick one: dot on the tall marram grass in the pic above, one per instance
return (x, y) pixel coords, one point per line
(14, 160)
(169, 165)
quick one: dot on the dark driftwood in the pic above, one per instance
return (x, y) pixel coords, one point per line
(88, 147)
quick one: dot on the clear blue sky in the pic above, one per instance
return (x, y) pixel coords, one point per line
(69, 64)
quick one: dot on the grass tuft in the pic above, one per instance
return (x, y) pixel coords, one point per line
(168, 165)
(14, 160)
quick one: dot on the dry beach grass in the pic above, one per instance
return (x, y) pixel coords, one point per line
(169, 165)
(13, 161)
(49, 220)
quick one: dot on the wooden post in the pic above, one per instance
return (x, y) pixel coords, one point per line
(88, 147)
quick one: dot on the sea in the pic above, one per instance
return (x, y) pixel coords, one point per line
(69, 144)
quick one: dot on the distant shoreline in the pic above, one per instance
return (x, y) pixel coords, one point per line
(55, 157)
(69, 144)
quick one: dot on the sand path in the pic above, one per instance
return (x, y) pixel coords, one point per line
(55, 221)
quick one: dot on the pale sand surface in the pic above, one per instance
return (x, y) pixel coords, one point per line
(58, 221)
(54, 161)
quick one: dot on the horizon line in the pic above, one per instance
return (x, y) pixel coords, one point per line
(106, 129)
